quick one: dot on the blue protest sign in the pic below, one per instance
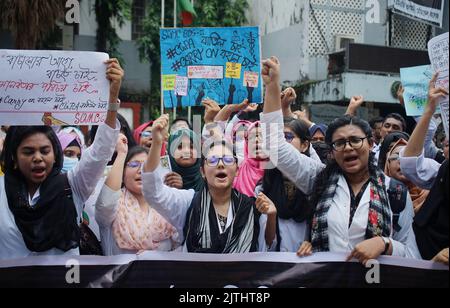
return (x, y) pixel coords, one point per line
(222, 64)
(416, 81)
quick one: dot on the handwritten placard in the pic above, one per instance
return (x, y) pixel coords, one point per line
(438, 52)
(215, 61)
(251, 79)
(416, 81)
(40, 87)
(169, 82)
(205, 72)
(181, 86)
(233, 70)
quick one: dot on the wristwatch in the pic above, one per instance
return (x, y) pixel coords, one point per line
(387, 244)
(114, 106)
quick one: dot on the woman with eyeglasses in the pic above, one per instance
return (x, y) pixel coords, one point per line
(217, 219)
(293, 207)
(352, 213)
(393, 170)
(128, 224)
(143, 135)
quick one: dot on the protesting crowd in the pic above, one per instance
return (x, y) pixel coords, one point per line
(257, 178)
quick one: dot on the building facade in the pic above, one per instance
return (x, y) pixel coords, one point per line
(336, 49)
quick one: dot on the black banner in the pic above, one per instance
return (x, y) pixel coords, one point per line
(234, 272)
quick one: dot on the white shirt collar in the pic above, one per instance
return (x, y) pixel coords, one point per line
(33, 201)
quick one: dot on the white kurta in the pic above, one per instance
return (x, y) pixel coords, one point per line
(173, 204)
(82, 180)
(303, 171)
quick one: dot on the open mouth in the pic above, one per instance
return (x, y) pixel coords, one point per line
(38, 172)
(221, 176)
(351, 159)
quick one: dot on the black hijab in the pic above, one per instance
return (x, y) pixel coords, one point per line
(52, 222)
(431, 224)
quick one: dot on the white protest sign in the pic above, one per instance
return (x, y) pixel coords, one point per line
(39, 87)
(438, 51)
(181, 86)
(205, 72)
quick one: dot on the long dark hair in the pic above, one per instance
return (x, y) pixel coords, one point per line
(300, 129)
(16, 135)
(323, 178)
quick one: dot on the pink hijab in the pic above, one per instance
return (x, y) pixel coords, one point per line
(138, 131)
(250, 172)
(67, 138)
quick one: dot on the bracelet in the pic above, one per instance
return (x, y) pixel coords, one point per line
(114, 106)
(387, 245)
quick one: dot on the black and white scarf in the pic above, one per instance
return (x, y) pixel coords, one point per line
(379, 220)
(202, 231)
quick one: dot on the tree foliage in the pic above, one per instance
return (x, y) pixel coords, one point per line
(106, 11)
(30, 21)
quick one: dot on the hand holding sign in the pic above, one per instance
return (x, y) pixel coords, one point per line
(211, 110)
(115, 74)
(435, 94)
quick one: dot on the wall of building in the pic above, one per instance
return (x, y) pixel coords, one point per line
(275, 15)
(137, 78)
(88, 23)
(284, 34)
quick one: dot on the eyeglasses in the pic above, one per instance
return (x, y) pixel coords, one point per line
(213, 161)
(146, 134)
(289, 136)
(355, 142)
(135, 164)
